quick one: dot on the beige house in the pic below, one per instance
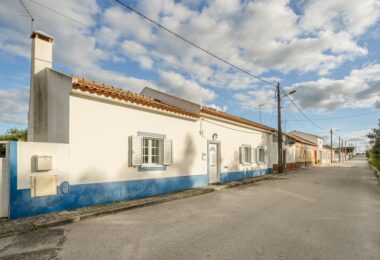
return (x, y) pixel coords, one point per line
(305, 152)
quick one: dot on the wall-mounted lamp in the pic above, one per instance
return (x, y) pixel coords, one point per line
(214, 136)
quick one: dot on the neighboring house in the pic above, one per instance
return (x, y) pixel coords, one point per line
(327, 154)
(317, 140)
(305, 151)
(89, 143)
(288, 152)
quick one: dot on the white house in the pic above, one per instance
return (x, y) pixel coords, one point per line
(89, 143)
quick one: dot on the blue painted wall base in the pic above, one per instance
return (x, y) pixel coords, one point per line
(241, 175)
(23, 205)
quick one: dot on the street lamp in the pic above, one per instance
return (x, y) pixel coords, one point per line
(279, 140)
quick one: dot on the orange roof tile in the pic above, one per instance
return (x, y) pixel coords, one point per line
(115, 93)
(220, 114)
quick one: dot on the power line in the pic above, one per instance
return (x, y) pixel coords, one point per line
(300, 110)
(30, 14)
(150, 54)
(192, 43)
(337, 117)
(184, 39)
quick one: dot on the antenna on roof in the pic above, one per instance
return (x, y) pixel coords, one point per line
(30, 14)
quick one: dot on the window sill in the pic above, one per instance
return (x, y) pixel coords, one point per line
(151, 167)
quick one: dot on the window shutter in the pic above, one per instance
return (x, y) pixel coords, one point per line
(266, 155)
(168, 152)
(241, 148)
(253, 155)
(135, 150)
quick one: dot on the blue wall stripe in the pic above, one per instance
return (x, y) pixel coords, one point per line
(82, 195)
(241, 175)
(12, 177)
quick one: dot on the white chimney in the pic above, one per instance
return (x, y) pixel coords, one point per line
(41, 58)
(42, 51)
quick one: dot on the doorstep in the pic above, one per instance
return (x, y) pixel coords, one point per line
(18, 226)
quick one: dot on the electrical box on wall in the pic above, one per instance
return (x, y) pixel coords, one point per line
(44, 163)
(43, 185)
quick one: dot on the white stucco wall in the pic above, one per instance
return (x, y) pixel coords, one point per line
(26, 152)
(49, 107)
(99, 148)
(231, 137)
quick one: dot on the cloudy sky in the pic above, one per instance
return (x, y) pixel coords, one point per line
(328, 50)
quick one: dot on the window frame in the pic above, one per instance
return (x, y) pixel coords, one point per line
(247, 154)
(149, 156)
(258, 149)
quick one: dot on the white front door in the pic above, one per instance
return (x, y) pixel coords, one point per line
(213, 163)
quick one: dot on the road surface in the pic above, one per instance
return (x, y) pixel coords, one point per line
(320, 213)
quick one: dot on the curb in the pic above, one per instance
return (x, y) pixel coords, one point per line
(33, 223)
(150, 202)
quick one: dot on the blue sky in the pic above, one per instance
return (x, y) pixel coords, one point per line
(328, 50)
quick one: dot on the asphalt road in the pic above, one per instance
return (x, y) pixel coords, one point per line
(320, 213)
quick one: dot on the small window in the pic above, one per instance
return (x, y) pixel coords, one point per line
(247, 155)
(152, 151)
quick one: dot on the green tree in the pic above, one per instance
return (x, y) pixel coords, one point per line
(374, 153)
(15, 134)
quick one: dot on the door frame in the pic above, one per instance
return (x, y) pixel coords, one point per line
(218, 160)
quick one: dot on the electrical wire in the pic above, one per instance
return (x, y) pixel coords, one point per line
(338, 117)
(300, 110)
(187, 41)
(192, 43)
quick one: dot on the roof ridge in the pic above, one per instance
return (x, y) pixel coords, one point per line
(126, 95)
(231, 117)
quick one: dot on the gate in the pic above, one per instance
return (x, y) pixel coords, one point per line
(4, 179)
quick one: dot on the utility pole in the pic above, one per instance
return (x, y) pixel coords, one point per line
(331, 145)
(339, 150)
(279, 145)
(260, 105)
(345, 150)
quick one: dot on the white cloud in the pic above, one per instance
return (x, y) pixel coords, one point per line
(351, 16)
(177, 85)
(257, 35)
(250, 100)
(219, 108)
(360, 89)
(14, 105)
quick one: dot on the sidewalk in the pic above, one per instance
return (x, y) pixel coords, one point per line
(14, 227)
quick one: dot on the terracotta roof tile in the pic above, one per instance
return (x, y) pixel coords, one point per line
(123, 95)
(220, 114)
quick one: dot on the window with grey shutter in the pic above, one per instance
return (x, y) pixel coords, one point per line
(135, 150)
(168, 152)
